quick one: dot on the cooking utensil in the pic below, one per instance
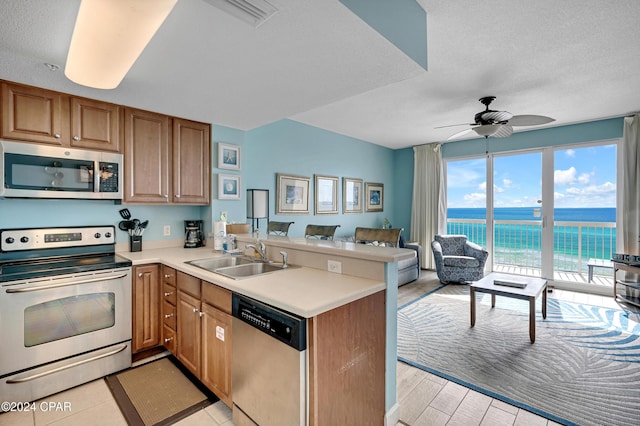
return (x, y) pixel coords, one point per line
(125, 225)
(144, 224)
(125, 213)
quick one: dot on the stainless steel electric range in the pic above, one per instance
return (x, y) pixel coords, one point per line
(65, 309)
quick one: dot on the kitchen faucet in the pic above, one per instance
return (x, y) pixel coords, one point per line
(259, 249)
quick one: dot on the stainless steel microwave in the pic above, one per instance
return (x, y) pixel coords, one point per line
(39, 171)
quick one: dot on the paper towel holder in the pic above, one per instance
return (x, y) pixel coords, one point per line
(257, 205)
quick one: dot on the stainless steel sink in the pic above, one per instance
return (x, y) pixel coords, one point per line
(248, 270)
(213, 263)
(236, 267)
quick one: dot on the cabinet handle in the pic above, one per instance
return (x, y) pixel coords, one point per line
(57, 136)
(195, 310)
(168, 275)
(166, 195)
(168, 315)
(139, 274)
(168, 339)
(168, 294)
(201, 314)
(177, 195)
(76, 138)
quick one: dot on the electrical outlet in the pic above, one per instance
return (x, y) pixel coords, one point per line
(334, 266)
(167, 230)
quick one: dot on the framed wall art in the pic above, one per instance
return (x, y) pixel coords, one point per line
(351, 195)
(228, 156)
(228, 187)
(326, 190)
(374, 197)
(293, 194)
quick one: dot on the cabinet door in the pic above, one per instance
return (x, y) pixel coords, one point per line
(191, 165)
(95, 125)
(33, 114)
(146, 307)
(216, 352)
(146, 159)
(188, 333)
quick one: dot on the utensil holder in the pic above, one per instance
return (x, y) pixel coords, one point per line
(135, 243)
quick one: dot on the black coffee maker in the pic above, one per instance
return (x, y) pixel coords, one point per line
(193, 234)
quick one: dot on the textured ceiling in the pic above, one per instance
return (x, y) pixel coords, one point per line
(316, 62)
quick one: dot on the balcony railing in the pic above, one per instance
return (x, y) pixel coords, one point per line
(518, 243)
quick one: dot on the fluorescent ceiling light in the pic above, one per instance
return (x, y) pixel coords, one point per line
(109, 36)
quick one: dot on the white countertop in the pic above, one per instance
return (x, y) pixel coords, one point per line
(303, 291)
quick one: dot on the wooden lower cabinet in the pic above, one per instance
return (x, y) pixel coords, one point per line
(347, 364)
(189, 330)
(216, 352)
(203, 334)
(146, 307)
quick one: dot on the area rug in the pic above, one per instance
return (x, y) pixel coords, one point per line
(157, 393)
(584, 367)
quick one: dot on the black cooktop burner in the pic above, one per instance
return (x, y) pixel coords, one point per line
(46, 267)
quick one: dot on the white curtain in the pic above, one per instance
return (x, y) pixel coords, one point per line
(630, 232)
(429, 212)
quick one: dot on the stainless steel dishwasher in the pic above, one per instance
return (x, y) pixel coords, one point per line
(269, 364)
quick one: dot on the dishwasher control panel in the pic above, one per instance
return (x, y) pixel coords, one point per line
(284, 326)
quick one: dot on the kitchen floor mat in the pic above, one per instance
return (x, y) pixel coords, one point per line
(157, 393)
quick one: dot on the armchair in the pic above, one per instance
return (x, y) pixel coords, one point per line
(458, 260)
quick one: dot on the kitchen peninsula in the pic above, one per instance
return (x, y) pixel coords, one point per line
(351, 317)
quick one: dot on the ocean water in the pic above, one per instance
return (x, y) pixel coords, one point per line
(520, 244)
(602, 214)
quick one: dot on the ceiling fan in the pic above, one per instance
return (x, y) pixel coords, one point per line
(498, 124)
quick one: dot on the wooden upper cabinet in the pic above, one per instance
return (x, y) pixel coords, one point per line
(146, 157)
(95, 125)
(191, 162)
(35, 115)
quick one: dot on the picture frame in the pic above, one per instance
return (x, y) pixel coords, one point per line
(351, 195)
(228, 187)
(374, 197)
(326, 194)
(292, 194)
(228, 156)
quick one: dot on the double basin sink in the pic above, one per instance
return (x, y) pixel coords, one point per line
(237, 267)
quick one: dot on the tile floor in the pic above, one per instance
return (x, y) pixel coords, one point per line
(424, 399)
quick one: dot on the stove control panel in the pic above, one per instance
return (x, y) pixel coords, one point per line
(44, 238)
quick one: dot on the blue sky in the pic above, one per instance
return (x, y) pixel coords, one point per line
(583, 177)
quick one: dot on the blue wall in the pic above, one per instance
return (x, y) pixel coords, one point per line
(290, 147)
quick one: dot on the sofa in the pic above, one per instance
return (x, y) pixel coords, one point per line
(458, 260)
(409, 269)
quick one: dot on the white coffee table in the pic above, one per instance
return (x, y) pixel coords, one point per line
(533, 289)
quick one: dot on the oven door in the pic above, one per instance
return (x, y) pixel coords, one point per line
(47, 319)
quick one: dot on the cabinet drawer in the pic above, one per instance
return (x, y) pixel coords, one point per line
(216, 296)
(189, 284)
(169, 294)
(169, 339)
(169, 315)
(168, 275)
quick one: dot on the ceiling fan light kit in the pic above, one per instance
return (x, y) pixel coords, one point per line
(499, 124)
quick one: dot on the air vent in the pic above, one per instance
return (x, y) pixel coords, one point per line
(254, 12)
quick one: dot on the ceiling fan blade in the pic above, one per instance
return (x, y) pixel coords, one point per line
(454, 125)
(529, 120)
(496, 116)
(459, 134)
(503, 132)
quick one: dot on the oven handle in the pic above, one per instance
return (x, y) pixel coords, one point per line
(63, 284)
(65, 367)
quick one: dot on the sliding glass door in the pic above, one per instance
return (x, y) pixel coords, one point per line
(515, 216)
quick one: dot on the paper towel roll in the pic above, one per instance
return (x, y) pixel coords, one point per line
(219, 228)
